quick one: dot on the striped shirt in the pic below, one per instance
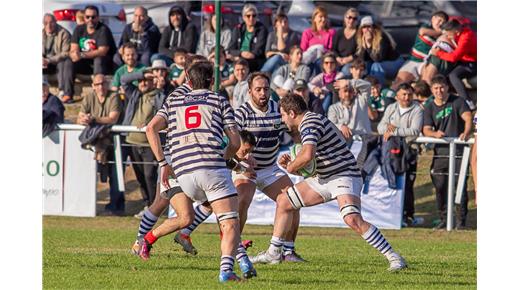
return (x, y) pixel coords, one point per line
(267, 128)
(422, 45)
(333, 158)
(196, 123)
(179, 91)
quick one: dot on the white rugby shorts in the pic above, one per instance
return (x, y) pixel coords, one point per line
(207, 184)
(330, 188)
(264, 177)
(413, 67)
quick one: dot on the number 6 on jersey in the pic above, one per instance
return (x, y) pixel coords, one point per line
(192, 118)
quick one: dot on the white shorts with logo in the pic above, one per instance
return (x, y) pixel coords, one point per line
(264, 177)
(413, 67)
(330, 188)
(207, 184)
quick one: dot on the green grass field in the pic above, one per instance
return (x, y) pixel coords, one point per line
(94, 253)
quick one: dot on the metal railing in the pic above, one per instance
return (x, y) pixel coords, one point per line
(448, 141)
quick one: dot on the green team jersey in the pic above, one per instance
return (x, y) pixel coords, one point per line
(175, 72)
(379, 103)
(123, 70)
(422, 45)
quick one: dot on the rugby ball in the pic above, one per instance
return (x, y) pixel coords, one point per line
(310, 168)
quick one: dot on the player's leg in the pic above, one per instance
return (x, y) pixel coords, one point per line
(183, 237)
(347, 191)
(246, 191)
(296, 197)
(273, 191)
(184, 209)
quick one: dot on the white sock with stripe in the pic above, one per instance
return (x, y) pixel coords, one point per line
(226, 264)
(374, 237)
(275, 247)
(147, 222)
(288, 247)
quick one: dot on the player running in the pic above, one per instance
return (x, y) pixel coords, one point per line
(338, 177)
(196, 126)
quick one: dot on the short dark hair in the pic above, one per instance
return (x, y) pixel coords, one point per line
(293, 102)
(180, 50)
(422, 88)
(201, 75)
(128, 45)
(241, 61)
(193, 58)
(439, 79)
(279, 17)
(221, 50)
(248, 137)
(92, 7)
(372, 80)
(404, 86)
(441, 14)
(357, 63)
(452, 25)
(257, 74)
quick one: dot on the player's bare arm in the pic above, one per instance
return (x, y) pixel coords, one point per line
(152, 134)
(302, 159)
(234, 142)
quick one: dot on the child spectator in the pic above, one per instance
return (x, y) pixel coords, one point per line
(177, 68)
(131, 65)
(322, 84)
(227, 79)
(379, 99)
(422, 93)
(357, 68)
(241, 73)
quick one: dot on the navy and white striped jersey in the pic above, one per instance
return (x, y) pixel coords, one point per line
(179, 91)
(332, 155)
(196, 123)
(266, 126)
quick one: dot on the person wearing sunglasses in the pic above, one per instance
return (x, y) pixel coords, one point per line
(92, 45)
(344, 41)
(249, 39)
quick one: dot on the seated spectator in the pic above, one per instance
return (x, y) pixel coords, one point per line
(207, 38)
(424, 40)
(357, 69)
(285, 76)
(376, 49)
(55, 52)
(227, 79)
(249, 39)
(473, 158)
(322, 84)
(180, 33)
(457, 64)
(142, 102)
(80, 17)
(52, 110)
(344, 41)
(404, 118)
(92, 45)
(279, 41)
(177, 73)
(161, 80)
(422, 93)
(143, 33)
(379, 99)
(352, 113)
(104, 108)
(240, 91)
(313, 103)
(130, 58)
(317, 40)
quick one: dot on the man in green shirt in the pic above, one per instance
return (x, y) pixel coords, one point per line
(131, 65)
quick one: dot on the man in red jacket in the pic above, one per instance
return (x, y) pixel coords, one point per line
(458, 64)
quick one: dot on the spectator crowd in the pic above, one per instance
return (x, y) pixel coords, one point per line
(353, 75)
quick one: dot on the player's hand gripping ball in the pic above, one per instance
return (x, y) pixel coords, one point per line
(309, 169)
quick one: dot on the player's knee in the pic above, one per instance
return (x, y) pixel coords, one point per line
(228, 221)
(292, 200)
(185, 220)
(351, 214)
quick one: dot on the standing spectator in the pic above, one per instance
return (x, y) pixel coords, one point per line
(249, 39)
(474, 158)
(424, 41)
(180, 33)
(352, 113)
(102, 107)
(322, 85)
(376, 49)
(460, 63)
(207, 38)
(279, 41)
(285, 76)
(344, 41)
(313, 103)
(130, 58)
(446, 116)
(142, 102)
(52, 110)
(55, 52)
(144, 34)
(240, 91)
(404, 118)
(317, 40)
(92, 45)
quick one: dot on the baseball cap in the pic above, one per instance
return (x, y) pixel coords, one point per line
(300, 84)
(366, 21)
